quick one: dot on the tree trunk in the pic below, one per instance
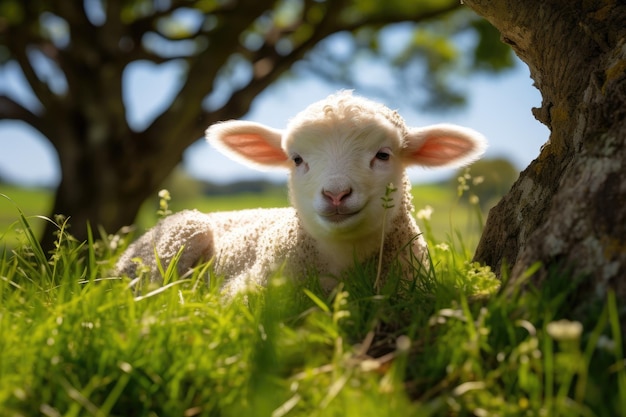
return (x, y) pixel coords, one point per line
(568, 208)
(105, 181)
(102, 190)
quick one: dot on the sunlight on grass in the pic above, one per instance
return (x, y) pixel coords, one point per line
(451, 341)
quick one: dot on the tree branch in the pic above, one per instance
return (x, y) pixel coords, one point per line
(204, 67)
(12, 110)
(144, 24)
(419, 16)
(146, 55)
(72, 12)
(19, 39)
(186, 108)
(240, 101)
(40, 88)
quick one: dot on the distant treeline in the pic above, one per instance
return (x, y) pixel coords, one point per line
(239, 187)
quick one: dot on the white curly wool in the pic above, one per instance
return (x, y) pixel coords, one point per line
(341, 154)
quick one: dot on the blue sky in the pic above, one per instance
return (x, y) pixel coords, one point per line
(499, 107)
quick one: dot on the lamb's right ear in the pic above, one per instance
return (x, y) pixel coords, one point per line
(250, 143)
(443, 145)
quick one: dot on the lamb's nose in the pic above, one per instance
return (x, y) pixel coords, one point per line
(336, 197)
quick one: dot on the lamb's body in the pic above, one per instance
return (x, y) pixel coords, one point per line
(248, 246)
(245, 242)
(341, 153)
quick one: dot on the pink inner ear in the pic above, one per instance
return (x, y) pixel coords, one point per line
(442, 150)
(255, 148)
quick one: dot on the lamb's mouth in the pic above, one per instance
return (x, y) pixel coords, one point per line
(337, 217)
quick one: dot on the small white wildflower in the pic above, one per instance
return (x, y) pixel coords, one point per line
(434, 320)
(114, 241)
(369, 365)
(564, 330)
(425, 213)
(403, 343)
(452, 313)
(165, 194)
(462, 187)
(341, 314)
(126, 367)
(164, 197)
(474, 199)
(478, 180)
(443, 246)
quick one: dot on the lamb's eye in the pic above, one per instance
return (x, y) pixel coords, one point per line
(297, 159)
(383, 155)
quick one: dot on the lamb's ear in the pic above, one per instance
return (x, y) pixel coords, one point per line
(443, 145)
(250, 143)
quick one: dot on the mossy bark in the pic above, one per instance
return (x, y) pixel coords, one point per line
(568, 208)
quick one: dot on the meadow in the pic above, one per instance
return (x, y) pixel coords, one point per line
(453, 341)
(34, 202)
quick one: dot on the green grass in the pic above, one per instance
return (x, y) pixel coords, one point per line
(31, 201)
(275, 198)
(76, 341)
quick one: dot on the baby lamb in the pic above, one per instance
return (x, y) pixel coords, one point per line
(341, 154)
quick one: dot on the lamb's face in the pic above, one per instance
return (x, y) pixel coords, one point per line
(342, 152)
(339, 172)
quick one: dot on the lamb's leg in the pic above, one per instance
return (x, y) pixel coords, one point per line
(190, 230)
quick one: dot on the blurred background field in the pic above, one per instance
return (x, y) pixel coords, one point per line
(449, 213)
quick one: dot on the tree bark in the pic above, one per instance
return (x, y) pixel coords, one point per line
(567, 210)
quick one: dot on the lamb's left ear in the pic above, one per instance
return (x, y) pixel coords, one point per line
(443, 145)
(250, 143)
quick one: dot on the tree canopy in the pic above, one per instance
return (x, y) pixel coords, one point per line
(74, 56)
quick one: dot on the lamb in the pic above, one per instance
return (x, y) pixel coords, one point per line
(341, 154)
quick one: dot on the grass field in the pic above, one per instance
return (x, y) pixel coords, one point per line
(77, 341)
(448, 216)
